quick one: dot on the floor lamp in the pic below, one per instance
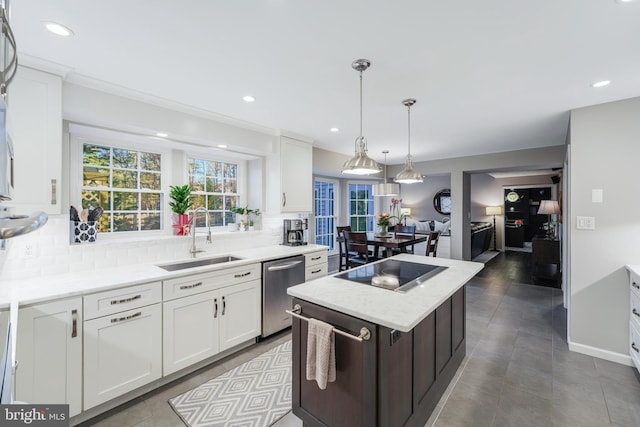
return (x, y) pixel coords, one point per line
(494, 210)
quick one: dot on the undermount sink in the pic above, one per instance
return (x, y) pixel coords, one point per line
(199, 263)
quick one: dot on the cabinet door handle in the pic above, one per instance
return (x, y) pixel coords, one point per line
(634, 311)
(121, 319)
(195, 285)
(122, 301)
(54, 191)
(316, 271)
(635, 285)
(74, 323)
(633, 346)
(215, 304)
(224, 306)
(316, 258)
(241, 275)
(284, 200)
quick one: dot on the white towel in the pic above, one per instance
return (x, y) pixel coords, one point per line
(321, 354)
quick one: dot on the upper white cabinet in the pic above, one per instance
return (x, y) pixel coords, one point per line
(35, 126)
(296, 175)
(49, 354)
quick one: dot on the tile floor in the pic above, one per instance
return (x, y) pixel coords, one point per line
(518, 371)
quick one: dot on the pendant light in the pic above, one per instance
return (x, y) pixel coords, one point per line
(386, 189)
(360, 163)
(408, 175)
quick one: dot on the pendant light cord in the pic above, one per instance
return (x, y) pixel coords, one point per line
(409, 131)
(360, 105)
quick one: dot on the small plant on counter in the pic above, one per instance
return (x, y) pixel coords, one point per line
(181, 199)
(181, 202)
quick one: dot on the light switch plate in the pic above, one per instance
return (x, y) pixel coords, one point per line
(596, 195)
(585, 223)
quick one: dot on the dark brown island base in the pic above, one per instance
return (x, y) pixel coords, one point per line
(392, 378)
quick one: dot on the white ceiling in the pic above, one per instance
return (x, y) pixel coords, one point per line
(489, 76)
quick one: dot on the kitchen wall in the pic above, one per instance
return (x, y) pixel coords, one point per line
(604, 153)
(419, 196)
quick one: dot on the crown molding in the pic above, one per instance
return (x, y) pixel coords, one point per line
(47, 66)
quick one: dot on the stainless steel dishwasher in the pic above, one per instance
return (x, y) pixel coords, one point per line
(277, 276)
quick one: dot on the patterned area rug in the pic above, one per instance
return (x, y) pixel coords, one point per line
(255, 394)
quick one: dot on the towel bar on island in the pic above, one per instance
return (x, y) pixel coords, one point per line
(365, 334)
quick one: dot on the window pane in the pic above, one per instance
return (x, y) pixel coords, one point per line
(230, 186)
(217, 219)
(125, 201)
(125, 222)
(95, 155)
(197, 182)
(125, 158)
(104, 223)
(199, 201)
(150, 161)
(150, 201)
(95, 177)
(216, 203)
(150, 180)
(150, 221)
(230, 170)
(230, 202)
(95, 199)
(125, 179)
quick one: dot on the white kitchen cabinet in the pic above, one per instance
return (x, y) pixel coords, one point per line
(199, 326)
(316, 265)
(190, 330)
(241, 316)
(49, 354)
(296, 175)
(122, 351)
(35, 126)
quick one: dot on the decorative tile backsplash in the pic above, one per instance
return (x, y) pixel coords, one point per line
(47, 251)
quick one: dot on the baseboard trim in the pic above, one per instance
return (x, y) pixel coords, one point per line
(611, 356)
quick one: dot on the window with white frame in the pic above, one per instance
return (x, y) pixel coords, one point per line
(361, 207)
(126, 183)
(215, 187)
(326, 193)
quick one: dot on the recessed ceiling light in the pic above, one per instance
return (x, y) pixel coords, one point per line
(602, 83)
(222, 145)
(334, 130)
(58, 29)
(162, 134)
(624, 1)
(248, 98)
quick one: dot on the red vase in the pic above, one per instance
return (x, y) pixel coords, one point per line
(183, 224)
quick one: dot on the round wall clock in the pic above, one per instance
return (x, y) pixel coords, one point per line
(442, 202)
(512, 196)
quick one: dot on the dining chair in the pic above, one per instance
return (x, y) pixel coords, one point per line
(357, 249)
(342, 248)
(432, 243)
(405, 231)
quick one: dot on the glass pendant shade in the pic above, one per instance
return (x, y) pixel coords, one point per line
(361, 163)
(386, 188)
(408, 175)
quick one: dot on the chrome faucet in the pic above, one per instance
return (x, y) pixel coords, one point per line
(193, 251)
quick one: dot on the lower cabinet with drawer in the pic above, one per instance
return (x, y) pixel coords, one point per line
(49, 354)
(122, 341)
(316, 265)
(202, 324)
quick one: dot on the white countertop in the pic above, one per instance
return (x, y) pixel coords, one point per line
(401, 311)
(634, 269)
(30, 291)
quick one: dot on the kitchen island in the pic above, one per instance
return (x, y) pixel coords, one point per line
(400, 350)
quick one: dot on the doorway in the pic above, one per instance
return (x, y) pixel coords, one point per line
(522, 221)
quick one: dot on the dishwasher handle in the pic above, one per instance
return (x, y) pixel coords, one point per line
(284, 266)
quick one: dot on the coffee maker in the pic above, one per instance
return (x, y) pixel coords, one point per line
(294, 232)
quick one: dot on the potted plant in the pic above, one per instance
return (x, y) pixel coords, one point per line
(254, 214)
(181, 202)
(243, 216)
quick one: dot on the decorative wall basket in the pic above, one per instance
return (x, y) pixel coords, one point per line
(83, 232)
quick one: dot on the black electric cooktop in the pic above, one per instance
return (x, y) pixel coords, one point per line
(399, 276)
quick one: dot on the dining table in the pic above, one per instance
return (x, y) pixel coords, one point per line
(390, 241)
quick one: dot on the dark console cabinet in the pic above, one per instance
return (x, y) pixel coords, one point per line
(545, 256)
(393, 379)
